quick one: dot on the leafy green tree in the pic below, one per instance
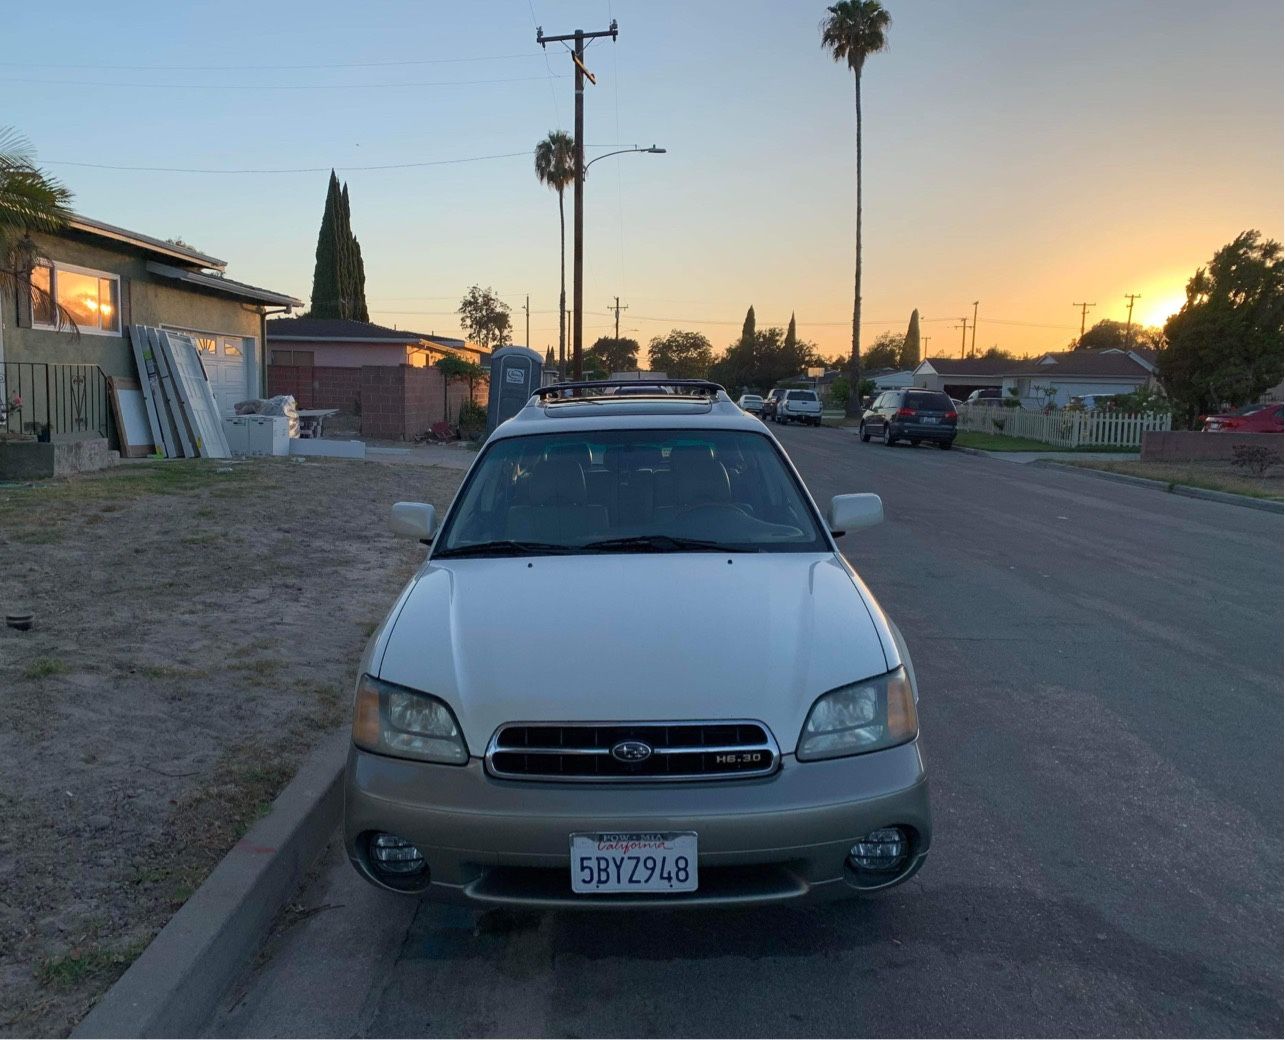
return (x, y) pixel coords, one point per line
(613, 355)
(997, 354)
(681, 355)
(840, 391)
(339, 277)
(1108, 334)
(30, 200)
(485, 317)
(555, 167)
(884, 352)
(852, 31)
(1224, 345)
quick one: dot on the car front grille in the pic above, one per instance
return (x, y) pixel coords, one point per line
(634, 751)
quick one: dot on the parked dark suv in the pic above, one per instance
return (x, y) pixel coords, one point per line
(911, 415)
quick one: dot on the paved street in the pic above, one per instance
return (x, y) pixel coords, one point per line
(1100, 672)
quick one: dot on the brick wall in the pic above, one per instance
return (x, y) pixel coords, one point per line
(395, 402)
(318, 387)
(1186, 446)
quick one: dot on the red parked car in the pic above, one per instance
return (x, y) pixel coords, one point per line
(1253, 418)
(1248, 419)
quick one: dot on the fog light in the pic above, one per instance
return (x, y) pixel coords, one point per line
(884, 849)
(393, 855)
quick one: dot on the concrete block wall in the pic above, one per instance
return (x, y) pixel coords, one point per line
(318, 387)
(1188, 446)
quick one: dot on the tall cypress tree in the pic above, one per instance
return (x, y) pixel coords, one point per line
(747, 330)
(791, 335)
(339, 278)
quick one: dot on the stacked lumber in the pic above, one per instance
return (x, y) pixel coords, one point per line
(181, 408)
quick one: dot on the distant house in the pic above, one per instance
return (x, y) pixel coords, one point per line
(342, 343)
(1069, 374)
(383, 377)
(1078, 373)
(959, 377)
(890, 378)
(108, 278)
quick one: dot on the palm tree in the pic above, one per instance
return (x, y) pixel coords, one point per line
(854, 30)
(30, 200)
(555, 167)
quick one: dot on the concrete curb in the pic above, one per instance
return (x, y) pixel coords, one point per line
(175, 985)
(1266, 505)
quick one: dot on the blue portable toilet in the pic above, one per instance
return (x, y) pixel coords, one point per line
(515, 375)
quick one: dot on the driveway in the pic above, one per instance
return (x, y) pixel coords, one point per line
(1102, 714)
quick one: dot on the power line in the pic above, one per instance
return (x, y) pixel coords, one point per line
(271, 86)
(259, 68)
(296, 169)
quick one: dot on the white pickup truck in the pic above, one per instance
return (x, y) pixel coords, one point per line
(799, 406)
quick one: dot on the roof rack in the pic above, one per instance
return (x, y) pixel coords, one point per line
(703, 386)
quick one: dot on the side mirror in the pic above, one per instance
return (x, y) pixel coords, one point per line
(416, 520)
(849, 512)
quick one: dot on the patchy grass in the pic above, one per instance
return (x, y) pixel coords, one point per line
(44, 668)
(170, 671)
(854, 422)
(999, 442)
(82, 963)
(1211, 476)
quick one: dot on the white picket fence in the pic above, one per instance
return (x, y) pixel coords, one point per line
(1064, 429)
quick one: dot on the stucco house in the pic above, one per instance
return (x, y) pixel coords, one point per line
(108, 278)
(1078, 373)
(383, 378)
(959, 377)
(1074, 373)
(342, 343)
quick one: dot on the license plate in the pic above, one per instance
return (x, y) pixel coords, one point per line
(633, 862)
(932, 419)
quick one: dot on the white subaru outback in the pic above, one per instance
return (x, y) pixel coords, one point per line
(635, 670)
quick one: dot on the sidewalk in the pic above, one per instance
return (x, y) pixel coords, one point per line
(1056, 456)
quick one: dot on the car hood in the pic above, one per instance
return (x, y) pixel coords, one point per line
(633, 638)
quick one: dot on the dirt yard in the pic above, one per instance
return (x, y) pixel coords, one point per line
(197, 629)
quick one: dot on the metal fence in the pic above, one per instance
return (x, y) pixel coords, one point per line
(53, 402)
(1065, 429)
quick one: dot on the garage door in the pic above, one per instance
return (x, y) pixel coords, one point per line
(226, 366)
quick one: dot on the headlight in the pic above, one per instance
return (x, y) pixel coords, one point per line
(866, 716)
(393, 720)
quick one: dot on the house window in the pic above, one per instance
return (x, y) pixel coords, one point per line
(292, 357)
(206, 344)
(230, 349)
(90, 298)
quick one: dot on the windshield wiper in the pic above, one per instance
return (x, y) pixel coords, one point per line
(507, 548)
(663, 543)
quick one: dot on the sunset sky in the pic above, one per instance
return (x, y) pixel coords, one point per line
(1027, 155)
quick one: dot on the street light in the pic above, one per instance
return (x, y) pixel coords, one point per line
(653, 150)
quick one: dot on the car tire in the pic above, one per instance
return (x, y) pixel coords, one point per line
(888, 439)
(865, 434)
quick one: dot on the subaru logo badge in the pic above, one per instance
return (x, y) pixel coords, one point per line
(631, 752)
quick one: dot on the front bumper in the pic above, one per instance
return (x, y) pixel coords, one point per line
(503, 842)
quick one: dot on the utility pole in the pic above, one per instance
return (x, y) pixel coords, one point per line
(1084, 310)
(923, 340)
(577, 293)
(527, 307)
(963, 335)
(618, 308)
(972, 350)
(1128, 325)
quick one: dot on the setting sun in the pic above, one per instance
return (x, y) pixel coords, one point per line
(1157, 306)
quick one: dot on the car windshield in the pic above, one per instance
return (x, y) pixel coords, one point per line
(630, 491)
